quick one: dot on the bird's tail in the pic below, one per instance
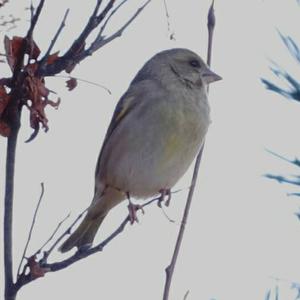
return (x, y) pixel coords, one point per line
(83, 235)
(86, 231)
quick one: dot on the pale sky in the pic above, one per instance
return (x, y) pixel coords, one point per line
(242, 232)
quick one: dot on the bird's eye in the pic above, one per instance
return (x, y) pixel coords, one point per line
(195, 63)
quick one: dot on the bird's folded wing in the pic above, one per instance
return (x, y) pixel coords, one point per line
(128, 102)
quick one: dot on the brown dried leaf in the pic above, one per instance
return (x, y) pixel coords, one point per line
(4, 129)
(36, 270)
(4, 100)
(33, 50)
(38, 94)
(12, 50)
(71, 83)
(52, 58)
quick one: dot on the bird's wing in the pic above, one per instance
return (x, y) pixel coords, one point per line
(128, 102)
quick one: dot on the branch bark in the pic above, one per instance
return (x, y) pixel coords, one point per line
(8, 213)
(25, 278)
(171, 267)
(12, 116)
(78, 50)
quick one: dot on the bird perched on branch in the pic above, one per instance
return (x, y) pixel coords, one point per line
(156, 131)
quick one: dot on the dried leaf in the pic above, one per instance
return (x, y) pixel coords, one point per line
(4, 129)
(12, 50)
(38, 94)
(33, 50)
(36, 270)
(71, 83)
(52, 58)
(4, 100)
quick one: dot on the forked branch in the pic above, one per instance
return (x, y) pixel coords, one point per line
(26, 87)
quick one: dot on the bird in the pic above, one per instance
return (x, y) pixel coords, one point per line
(157, 129)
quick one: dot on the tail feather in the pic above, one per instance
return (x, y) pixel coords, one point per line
(86, 231)
(83, 235)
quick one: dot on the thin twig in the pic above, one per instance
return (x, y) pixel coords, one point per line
(31, 228)
(186, 295)
(80, 254)
(98, 248)
(31, 10)
(35, 18)
(109, 17)
(86, 81)
(52, 235)
(77, 51)
(62, 25)
(166, 215)
(172, 36)
(100, 42)
(170, 268)
(211, 23)
(65, 233)
(27, 41)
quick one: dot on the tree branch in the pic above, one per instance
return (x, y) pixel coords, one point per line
(101, 41)
(12, 116)
(42, 263)
(170, 268)
(77, 52)
(8, 213)
(62, 25)
(31, 228)
(52, 235)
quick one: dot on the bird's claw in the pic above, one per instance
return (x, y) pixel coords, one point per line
(163, 194)
(133, 208)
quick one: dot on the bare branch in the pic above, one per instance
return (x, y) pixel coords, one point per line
(170, 268)
(31, 228)
(24, 278)
(172, 34)
(35, 18)
(62, 25)
(12, 116)
(211, 23)
(186, 295)
(64, 234)
(108, 18)
(52, 235)
(77, 51)
(100, 41)
(23, 79)
(8, 212)
(86, 81)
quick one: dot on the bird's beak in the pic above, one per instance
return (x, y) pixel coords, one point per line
(209, 76)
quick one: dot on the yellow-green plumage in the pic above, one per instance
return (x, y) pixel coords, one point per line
(156, 131)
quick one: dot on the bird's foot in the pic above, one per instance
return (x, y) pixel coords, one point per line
(133, 208)
(164, 193)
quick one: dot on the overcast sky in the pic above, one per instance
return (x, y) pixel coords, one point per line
(242, 232)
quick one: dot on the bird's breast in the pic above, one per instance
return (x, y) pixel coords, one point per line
(155, 148)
